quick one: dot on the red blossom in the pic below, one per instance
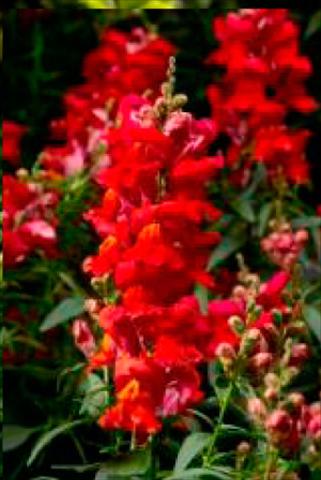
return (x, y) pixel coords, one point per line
(29, 221)
(12, 134)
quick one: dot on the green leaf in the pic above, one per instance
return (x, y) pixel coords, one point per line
(44, 478)
(126, 466)
(314, 25)
(97, 4)
(258, 176)
(201, 293)
(217, 473)
(244, 208)
(192, 446)
(67, 309)
(14, 435)
(306, 222)
(227, 430)
(228, 246)
(312, 315)
(96, 395)
(263, 218)
(77, 468)
(47, 437)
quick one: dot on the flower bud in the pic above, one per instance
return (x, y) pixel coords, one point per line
(179, 101)
(22, 173)
(83, 337)
(271, 394)
(271, 380)
(239, 292)
(225, 351)
(289, 374)
(249, 340)
(261, 360)
(279, 421)
(236, 324)
(301, 236)
(299, 353)
(243, 448)
(256, 409)
(92, 305)
(296, 399)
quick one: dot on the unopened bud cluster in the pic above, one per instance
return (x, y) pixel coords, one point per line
(283, 246)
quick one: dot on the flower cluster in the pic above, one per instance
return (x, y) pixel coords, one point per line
(263, 80)
(29, 220)
(154, 251)
(283, 246)
(122, 64)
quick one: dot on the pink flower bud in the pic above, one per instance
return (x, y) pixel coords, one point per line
(296, 399)
(284, 243)
(299, 353)
(92, 305)
(279, 421)
(256, 409)
(261, 360)
(226, 351)
(243, 448)
(301, 236)
(270, 394)
(314, 428)
(239, 292)
(83, 337)
(271, 380)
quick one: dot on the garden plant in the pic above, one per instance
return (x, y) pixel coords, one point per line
(161, 242)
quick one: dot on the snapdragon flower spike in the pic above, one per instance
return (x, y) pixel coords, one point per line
(264, 79)
(29, 220)
(123, 64)
(155, 249)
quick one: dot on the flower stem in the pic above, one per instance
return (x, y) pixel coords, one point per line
(226, 401)
(269, 462)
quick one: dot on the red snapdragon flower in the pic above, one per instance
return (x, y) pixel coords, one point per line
(12, 134)
(123, 64)
(29, 221)
(264, 79)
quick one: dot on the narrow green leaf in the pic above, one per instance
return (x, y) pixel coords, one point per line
(126, 466)
(47, 437)
(263, 218)
(314, 25)
(217, 473)
(312, 314)
(192, 446)
(228, 246)
(258, 177)
(77, 468)
(306, 222)
(95, 395)
(227, 430)
(15, 435)
(244, 208)
(201, 293)
(67, 309)
(44, 478)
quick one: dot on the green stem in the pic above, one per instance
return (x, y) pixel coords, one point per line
(226, 401)
(269, 462)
